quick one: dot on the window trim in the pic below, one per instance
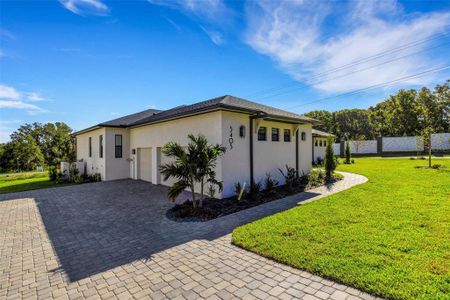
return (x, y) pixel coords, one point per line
(288, 135)
(261, 128)
(277, 134)
(116, 146)
(90, 146)
(100, 146)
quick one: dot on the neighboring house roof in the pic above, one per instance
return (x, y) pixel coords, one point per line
(223, 102)
(316, 132)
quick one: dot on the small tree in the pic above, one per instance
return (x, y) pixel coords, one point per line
(194, 165)
(330, 161)
(348, 153)
(426, 136)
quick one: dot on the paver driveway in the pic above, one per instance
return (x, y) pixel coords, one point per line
(113, 240)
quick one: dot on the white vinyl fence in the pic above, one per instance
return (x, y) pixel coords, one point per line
(439, 142)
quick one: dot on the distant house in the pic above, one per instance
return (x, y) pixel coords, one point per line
(259, 140)
(319, 143)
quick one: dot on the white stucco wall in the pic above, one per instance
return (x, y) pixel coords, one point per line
(440, 141)
(319, 151)
(268, 155)
(337, 148)
(399, 144)
(157, 135)
(117, 168)
(363, 147)
(94, 164)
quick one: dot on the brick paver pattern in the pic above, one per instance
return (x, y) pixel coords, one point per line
(113, 240)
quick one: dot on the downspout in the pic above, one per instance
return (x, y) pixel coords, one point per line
(251, 118)
(296, 151)
(250, 135)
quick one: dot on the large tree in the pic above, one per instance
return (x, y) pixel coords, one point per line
(55, 140)
(326, 117)
(37, 144)
(353, 124)
(402, 114)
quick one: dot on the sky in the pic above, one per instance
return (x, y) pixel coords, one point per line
(87, 61)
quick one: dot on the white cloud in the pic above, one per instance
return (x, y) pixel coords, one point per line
(18, 104)
(212, 12)
(308, 38)
(35, 97)
(86, 7)
(203, 8)
(215, 36)
(11, 98)
(8, 92)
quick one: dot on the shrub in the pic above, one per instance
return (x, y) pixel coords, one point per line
(316, 177)
(330, 160)
(270, 183)
(255, 190)
(319, 161)
(53, 173)
(211, 191)
(348, 153)
(353, 161)
(290, 177)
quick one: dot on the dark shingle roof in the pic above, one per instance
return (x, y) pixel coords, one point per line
(316, 132)
(227, 101)
(126, 121)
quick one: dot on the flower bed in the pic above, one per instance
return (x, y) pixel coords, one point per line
(215, 208)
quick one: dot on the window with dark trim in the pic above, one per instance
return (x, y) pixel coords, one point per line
(303, 136)
(262, 134)
(324, 143)
(90, 147)
(320, 143)
(118, 146)
(287, 135)
(100, 146)
(275, 134)
(317, 143)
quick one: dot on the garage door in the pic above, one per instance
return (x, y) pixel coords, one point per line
(145, 164)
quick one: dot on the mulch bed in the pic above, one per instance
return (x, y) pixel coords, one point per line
(215, 208)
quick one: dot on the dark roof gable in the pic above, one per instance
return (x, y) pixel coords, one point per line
(226, 101)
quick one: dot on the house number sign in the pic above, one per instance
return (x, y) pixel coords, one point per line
(231, 140)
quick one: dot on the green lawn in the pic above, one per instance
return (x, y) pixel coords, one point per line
(389, 237)
(25, 181)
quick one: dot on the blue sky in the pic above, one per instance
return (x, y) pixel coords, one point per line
(87, 61)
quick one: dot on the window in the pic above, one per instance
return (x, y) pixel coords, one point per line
(324, 143)
(90, 147)
(262, 133)
(287, 135)
(275, 134)
(100, 146)
(303, 136)
(118, 146)
(320, 143)
(317, 143)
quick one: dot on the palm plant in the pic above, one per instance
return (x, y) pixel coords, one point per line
(193, 165)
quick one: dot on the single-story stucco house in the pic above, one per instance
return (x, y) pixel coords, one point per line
(259, 139)
(320, 139)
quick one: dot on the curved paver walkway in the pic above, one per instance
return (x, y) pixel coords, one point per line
(112, 240)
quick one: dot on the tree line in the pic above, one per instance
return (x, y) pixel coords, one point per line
(35, 145)
(407, 113)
